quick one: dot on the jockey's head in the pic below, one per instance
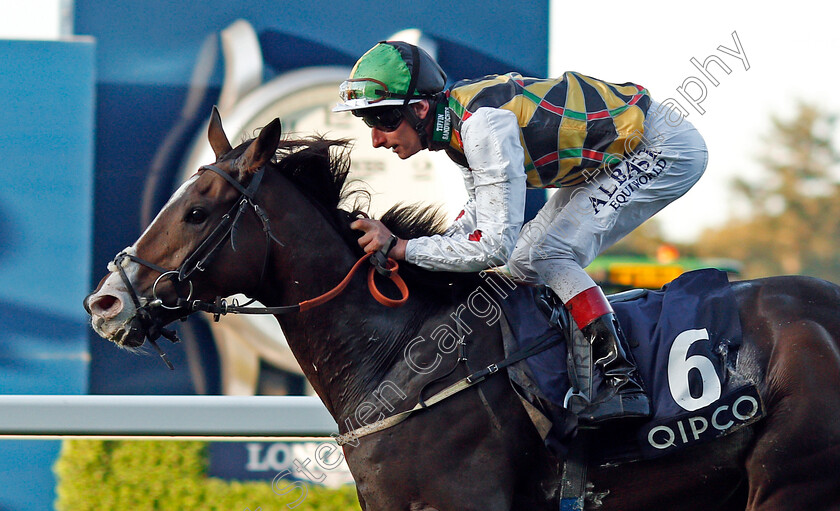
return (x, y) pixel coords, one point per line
(391, 83)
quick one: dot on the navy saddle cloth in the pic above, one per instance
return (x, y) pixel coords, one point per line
(685, 339)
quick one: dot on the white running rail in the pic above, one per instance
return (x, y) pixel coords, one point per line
(226, 417)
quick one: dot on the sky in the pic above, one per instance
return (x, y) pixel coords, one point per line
(33, 19)
(789, 48)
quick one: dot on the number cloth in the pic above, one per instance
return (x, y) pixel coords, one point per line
(686, 339)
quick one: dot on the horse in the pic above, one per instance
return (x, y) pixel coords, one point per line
(283, 205)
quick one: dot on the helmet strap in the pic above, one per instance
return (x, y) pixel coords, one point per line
(415, 72)
(411, 116)
(418, 124)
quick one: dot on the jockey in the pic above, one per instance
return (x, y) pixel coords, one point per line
(614, 159)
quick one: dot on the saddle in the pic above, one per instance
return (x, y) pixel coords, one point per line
(685, 339)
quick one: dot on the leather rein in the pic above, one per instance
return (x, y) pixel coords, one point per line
(153, 327)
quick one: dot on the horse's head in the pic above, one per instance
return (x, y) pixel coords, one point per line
(150, 282)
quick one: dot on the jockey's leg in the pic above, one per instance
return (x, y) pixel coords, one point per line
(624, 394)
(519, 262)
(578, 223)
(557, 266)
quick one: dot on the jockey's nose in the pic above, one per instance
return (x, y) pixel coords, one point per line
(104, 306)
(377, 138)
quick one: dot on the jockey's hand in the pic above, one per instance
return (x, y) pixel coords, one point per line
(376, 236)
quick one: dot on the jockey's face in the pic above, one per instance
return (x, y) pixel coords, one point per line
(404, 141)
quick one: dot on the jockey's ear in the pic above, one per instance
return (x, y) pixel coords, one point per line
(218, 140)
(262, 149)
(421, 108)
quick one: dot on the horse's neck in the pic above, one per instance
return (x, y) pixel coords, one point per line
(346, 345)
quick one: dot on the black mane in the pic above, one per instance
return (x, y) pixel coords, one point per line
(319, 167)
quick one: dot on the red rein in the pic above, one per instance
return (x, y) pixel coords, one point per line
(377, 295)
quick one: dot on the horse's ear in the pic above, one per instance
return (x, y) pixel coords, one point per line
(261, 150)
(218, 140)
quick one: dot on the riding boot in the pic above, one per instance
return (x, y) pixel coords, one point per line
(624, 394)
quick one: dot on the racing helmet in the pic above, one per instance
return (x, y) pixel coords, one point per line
(391, 73)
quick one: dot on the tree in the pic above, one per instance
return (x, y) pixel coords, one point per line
(794, 227)
(643, 241)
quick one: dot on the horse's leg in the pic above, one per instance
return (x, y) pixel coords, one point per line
(439, 460)
(453, 458)
(793, 465)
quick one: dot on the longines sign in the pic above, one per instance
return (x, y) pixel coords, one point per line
(319, 463)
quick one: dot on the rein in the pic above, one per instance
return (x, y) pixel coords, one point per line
(153, 328)
(221, 307)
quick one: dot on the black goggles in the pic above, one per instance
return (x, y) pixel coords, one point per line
(383, 118)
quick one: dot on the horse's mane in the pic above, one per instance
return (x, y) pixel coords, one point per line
(319, 167)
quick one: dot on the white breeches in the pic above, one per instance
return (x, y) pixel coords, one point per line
(578, 223)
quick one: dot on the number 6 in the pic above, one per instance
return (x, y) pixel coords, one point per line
(679, 366)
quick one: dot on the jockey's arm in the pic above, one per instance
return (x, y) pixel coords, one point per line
(465, 222)
(486, 234)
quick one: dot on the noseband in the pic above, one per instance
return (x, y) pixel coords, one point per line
(153, 327)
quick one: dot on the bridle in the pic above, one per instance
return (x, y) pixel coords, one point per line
(154, 327)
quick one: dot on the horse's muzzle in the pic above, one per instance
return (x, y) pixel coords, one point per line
(133, 335)
(114, 319)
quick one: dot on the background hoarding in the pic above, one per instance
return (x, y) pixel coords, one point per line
(96, 130)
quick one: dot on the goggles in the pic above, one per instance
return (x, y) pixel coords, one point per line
(364, 91)
(385, 118)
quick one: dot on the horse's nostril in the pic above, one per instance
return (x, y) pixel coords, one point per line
(106, 306)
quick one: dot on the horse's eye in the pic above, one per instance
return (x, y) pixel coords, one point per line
(196, 216)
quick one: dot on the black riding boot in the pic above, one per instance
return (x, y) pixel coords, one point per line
(624, 395)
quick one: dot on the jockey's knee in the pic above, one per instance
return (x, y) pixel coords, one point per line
(561, 269)
(520, 268)
(548, 256)
(532, 237)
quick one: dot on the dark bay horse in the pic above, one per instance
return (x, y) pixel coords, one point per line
(478, 450)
